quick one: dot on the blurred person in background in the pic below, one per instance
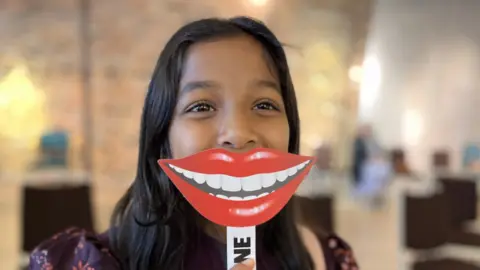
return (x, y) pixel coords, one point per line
(217, 84)
(371, 169)
(359, 154)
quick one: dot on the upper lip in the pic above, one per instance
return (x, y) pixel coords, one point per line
(220, 161)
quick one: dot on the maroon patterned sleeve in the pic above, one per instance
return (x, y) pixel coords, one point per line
(73, 249)
(342, 253)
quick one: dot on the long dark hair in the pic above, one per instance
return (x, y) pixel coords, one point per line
(153, 226)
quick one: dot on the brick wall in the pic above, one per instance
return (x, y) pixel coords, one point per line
(127, 38)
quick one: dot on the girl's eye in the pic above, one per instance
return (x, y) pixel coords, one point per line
(266, 106)
(201, 107)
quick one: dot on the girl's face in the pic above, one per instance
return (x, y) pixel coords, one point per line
(228, 98)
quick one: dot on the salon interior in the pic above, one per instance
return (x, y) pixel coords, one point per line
(396, 77)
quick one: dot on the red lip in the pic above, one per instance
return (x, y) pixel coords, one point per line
(239, 213)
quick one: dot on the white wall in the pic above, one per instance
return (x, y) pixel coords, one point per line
(428, 96)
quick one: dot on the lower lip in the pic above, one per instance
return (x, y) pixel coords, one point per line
(239, 213)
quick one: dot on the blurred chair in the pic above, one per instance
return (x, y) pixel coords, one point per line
(444, 264)
(317, 213)
(426, 222)
(321, 179)
(427, 228)
(324, 158)
(315, 199)
(461, 195)
(399, 162)
(441, 160)
(50, 209)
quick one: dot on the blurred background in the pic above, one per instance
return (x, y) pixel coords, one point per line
(388, 92)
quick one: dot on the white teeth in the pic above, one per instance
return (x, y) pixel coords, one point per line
(299, 167)
(177, 169)
(238, 198)
(230, 183)
(268, 180)
(263, 194)
(214, 181)
(252, 183)
(292, 171)
(188, 174)
(199, 178)
(236, 184)
(282, 175)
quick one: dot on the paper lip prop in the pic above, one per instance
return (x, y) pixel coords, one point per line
(238, 189)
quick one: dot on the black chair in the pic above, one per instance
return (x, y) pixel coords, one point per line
(399, 162)
(49, 210)
(427, 227)
(426, 222)
(324, 158)
(441, 160)
(317, 213)
(461, 194)
(462, 197)
(444, 264)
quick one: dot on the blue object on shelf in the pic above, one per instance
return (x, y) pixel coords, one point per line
(54, 149)
(471, 154)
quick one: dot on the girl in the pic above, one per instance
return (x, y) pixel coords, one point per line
(217, 84)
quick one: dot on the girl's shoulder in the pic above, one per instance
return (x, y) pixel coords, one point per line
(74, 248)
(338, 253)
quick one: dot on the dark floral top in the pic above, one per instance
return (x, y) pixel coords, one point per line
(76, 249)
